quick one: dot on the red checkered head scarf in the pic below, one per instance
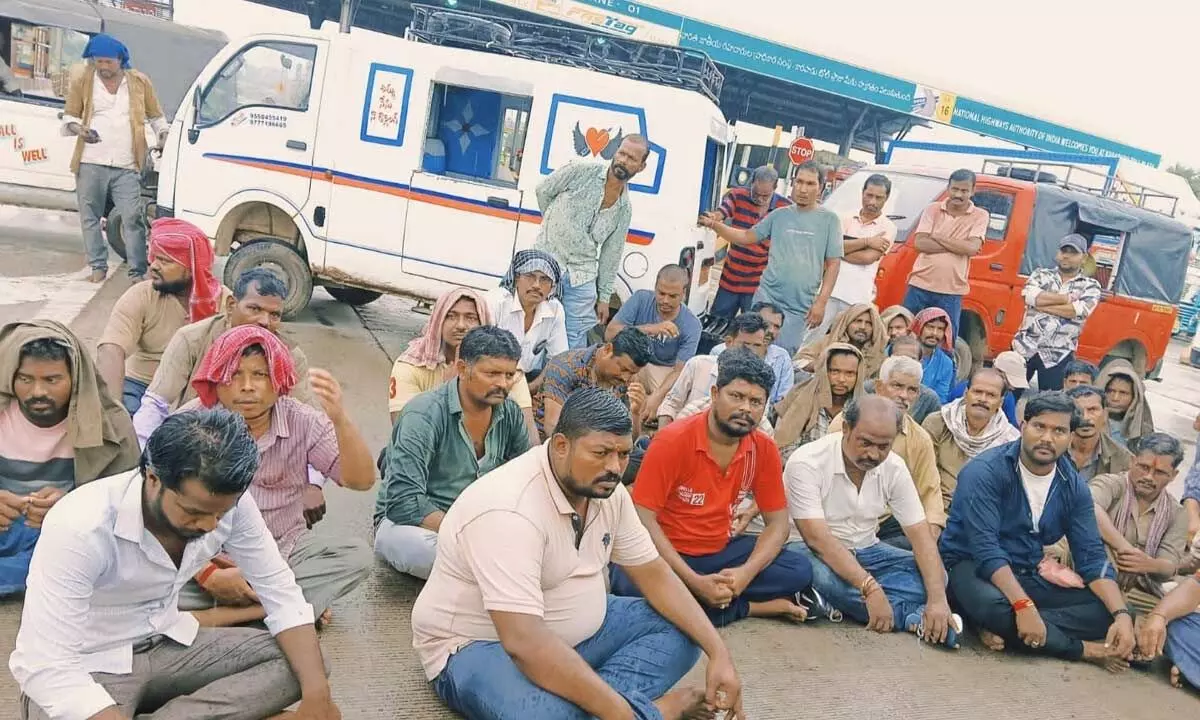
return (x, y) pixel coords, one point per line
(225, 356)
(933, 313)
(187, 245)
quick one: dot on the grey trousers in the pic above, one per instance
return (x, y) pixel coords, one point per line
(326, 570)
(93, 186)
(226, 674)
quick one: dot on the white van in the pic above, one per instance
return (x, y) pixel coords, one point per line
(370, 163)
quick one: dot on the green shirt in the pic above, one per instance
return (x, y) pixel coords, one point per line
(801, 242)
(431, 458)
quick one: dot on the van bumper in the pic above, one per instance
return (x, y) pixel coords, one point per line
(163, 212)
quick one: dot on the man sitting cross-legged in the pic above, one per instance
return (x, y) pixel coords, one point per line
(101, 634)
(249, 370)
(1011, 502)
(805, 414)
(515, 621)
(837, 488)
(695, 475)
(442, 442)
(1173, 628)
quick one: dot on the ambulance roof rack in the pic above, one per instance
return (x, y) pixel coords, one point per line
(1085, 179)
(574, 47)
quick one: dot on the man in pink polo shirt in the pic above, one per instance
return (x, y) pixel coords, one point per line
(947, 236)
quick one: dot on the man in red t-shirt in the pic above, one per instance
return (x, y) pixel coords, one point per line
(695, 475)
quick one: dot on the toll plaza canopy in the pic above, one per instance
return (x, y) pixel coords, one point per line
(769, 83)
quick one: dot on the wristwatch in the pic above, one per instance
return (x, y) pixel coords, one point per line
(1121, 611)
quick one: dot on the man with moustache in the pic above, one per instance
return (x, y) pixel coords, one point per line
(528, 305)
(101, 633)
(694, 477)
(1058, 302)
(515, 620)
(1011, 502)
(927, 400)
(58, 430)
(1129, 414)
(743, 207)
(1093, 451)
(807, 411)
(932, 328)
(585, 218)
(442, 442)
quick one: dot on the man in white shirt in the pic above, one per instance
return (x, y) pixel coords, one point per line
(867, 234)
(108, 106)
(838, 487)
(101, 627)
(528, 305)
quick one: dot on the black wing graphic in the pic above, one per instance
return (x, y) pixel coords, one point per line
(611, 148)
(581, 146)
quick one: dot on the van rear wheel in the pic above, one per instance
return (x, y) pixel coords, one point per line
(281, 258)
(355, 297)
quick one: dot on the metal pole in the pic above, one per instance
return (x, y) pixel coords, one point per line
(344, 25)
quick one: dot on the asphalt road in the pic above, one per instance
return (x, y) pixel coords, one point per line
(815, 671)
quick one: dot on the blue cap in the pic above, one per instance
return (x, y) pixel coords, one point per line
(1074, 240)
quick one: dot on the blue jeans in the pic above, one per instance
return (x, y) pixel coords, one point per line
(895, 569)
(93, 186)
(1183, 647)
(788, 574)
(131, 394)
(727, 304)
(579, 302)
(636, 651)
(916, 300)
(16, 550)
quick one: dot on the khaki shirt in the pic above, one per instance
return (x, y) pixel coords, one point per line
(408, 381)
(142, 323)
(916, 450)
(508, 544)
(948, 456)
(1108, 491)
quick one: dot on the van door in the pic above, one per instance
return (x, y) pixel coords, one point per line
(464, 206)
(252, 127)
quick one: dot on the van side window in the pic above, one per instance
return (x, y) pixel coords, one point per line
(476, 134)
(999, 206)
(36, 60)
(267, 74)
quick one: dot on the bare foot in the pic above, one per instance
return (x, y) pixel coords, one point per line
(780, 608)
(325, 618)
(1116, 665)
(684, 704)
(1097, 654)
(1176, 678)
(97, 276)
(991, 641)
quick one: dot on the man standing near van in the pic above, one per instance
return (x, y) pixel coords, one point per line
(743, 207)
(585, 218)
(949, 233)
(108, 106)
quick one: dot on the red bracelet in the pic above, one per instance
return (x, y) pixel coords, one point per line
(204, 574)
(1021, 604)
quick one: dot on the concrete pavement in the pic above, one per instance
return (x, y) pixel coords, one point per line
(819, 671)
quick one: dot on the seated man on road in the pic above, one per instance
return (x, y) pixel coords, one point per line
(968, 426)
(927, 400)
(673, 330)
(898, 321)
(807, 411)
(59, 429)
(1142, 525)
(431, 357)
(102, 636)
(1128, 407)
(515, 621)
(249, 371)
(695, 383)
(181, 289)
(837, 489)
(1191, 503)
(900, 382)
(612, 367)
(776, 357)
(257, 299)
(931, 328)
(1079, 372)
(1092, 451)
(859, 326)
(442, 442)
(1173, 629)
(1011, 367)
(695, 475)
(528, 305)
(1011, 502)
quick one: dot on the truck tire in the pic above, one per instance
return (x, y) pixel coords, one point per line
(355, 297)
(282, 258)
(112, 231)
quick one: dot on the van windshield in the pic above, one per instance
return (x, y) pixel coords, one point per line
(37, 59)
(909, 197)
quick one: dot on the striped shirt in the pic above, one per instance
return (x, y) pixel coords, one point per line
(744, 265)
(32, 457)
(299, 436)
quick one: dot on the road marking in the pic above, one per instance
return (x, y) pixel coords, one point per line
(65, 296)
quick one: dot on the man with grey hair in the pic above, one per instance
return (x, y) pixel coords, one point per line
(900, 382)
(743, 207)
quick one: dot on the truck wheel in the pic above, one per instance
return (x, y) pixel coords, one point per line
(353, 296)
(284, 260)
(112, 231)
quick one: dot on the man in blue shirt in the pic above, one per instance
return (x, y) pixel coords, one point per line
(673, 330)
(937, 351)
(1010, 503)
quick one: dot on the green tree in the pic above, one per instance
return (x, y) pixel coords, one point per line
(1192, 175)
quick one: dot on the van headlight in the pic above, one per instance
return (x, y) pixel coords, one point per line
(635, 265)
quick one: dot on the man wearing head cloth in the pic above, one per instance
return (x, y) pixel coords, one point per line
(108, 106)
(528, 304)
(181, 290)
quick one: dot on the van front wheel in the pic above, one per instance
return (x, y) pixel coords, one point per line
(281, 258)
(356, 297)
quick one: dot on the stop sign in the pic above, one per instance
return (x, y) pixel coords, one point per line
(801, 151)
